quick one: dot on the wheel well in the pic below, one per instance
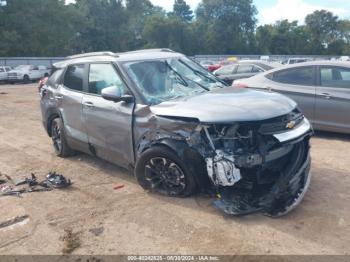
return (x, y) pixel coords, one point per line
(191, 157)
(49, 122)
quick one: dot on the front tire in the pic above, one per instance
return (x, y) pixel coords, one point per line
(160, 170)
(26, 79)
(59, 139)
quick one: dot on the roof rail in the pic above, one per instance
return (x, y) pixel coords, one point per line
(152, 50)
(104, 53)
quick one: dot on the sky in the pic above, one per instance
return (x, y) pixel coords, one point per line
(273, 10)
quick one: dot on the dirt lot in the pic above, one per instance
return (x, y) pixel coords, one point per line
(131, 221)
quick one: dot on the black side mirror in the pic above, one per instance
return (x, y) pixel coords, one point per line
(114, 94)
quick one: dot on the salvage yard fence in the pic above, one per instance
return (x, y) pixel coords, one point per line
(49, 61)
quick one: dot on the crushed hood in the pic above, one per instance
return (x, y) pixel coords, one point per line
(227, 105)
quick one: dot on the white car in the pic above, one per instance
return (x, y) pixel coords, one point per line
(296, 60)
(27, 73)
(3, 72)
(344, 58)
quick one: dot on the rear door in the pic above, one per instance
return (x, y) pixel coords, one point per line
(298, 83)
(69, 99)
(108, 124)
(332, 111)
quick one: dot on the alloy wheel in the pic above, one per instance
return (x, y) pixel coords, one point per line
(56, 138)
(165, 176)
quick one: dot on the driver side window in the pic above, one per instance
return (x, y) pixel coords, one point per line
(102, 76)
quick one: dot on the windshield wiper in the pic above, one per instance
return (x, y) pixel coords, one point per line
(184, 77)
(202, 74)
(180, 76)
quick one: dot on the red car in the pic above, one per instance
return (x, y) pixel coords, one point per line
(214, 67)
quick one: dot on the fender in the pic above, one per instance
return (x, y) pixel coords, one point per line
(191, 157)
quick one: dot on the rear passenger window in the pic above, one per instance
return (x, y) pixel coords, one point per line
(55, 78)
(226, 70)
(335, 77)
(242, 69)
(102, 76)
(73, 79)
(295, 76)
(257, 69)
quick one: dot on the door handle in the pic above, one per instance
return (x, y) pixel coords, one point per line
(88, 104)
(326, 95)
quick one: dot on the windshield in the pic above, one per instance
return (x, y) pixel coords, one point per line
(167, 79)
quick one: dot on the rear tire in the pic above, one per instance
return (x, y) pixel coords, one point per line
(59, 139)
(160, 170)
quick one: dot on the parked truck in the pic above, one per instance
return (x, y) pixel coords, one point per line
(3, 73)
(27, 73)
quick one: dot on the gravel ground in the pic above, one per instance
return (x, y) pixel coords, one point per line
(93, 218)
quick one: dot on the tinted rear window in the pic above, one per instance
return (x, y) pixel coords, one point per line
(295, 76)
(73, 79)
(242, 69)
(55, 77)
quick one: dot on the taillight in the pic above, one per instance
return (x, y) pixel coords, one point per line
(42, 82)
(239, 85)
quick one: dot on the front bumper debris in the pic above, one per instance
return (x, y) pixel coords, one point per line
(277, 198)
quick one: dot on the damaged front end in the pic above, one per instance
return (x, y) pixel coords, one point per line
(260, 166)
(252, 166)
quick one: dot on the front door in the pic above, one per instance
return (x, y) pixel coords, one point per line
(108, 124)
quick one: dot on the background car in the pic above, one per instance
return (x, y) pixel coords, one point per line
(206, 64)
(321, 89)
(27, 73)
(3, 72)
(228, 61)
(291, 61)
(243, 69)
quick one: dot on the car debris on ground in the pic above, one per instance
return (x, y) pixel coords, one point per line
(53, 180)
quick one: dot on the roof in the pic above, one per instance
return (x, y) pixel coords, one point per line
(263, 64)
(106, 56)
(314, 63)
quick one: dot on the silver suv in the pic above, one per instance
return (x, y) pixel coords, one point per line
(179, 128)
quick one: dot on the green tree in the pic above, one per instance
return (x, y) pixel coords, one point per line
(229, 25)
(102, 25)
(168, 32)
(322, 27)
(182, 10)
(344, 30)
(138, 11)
(36, 28)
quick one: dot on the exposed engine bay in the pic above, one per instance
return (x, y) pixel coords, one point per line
(253, 170)
(253, 166)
